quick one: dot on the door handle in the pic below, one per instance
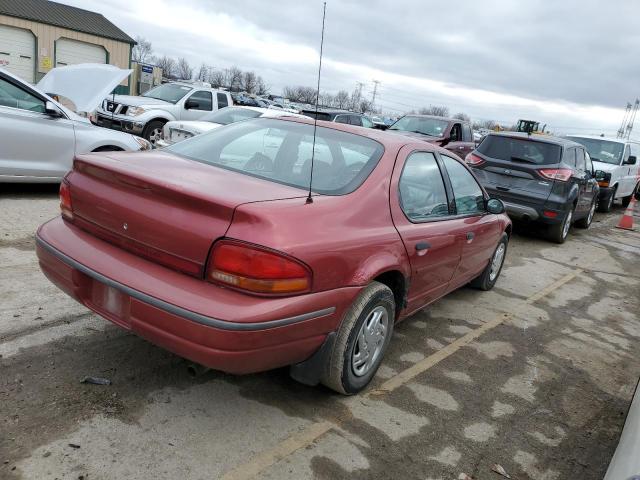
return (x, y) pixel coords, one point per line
(422, 246)
(471, 236)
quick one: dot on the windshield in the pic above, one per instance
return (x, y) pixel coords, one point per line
(280, 151)
(520, 150)
(228, 115)
(169, 92)
(424, 125)
(602, 150)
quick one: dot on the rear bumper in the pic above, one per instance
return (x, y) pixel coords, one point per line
(535, 210)
(216, 327)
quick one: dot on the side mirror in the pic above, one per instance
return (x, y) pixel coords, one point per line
(631, 160)
(52, 110)
(495, 206)
(191, 105)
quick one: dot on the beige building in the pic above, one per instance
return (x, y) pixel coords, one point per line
(37, 35)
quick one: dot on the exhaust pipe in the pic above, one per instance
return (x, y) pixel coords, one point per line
(196, 370)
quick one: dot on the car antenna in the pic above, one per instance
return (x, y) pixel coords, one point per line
(315, 119)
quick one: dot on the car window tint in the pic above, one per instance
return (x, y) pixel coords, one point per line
(15, 97)
(366, 122)
(503, 147)
(468, 194)
(204, 100)
(570, 157)
(456, 134)
(355, 120)
(222, 100)
(467, 136)
(282, 151)
(422, 192)
(341, 119)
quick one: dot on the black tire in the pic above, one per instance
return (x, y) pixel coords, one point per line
(486, 280)
(151, 129)
(557, 232)
(637, 194)
(585, 222)
(606, 204)
(339, 374)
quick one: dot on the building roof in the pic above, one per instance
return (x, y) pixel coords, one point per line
(64, 16)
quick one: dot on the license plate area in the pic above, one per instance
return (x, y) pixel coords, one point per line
(110, 303)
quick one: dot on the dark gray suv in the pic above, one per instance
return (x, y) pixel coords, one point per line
(539, 178)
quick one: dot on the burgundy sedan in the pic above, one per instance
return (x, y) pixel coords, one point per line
(213, 249)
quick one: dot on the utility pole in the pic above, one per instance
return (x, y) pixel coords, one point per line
(357, 94)
(632, 118)
(375, 90)
(624, 121)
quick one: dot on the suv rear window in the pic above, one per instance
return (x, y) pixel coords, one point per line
(318, 115)
(280, 151)
(520, 150)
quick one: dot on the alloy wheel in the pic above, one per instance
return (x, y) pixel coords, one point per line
(496, 262)
(567, 224)
(370, 341)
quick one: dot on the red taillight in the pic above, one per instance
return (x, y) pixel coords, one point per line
(256, 269)
(65, 200)
(550, 213)
(474, 160)
(562, 174)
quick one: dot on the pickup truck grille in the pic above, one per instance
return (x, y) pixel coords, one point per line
(114, 107)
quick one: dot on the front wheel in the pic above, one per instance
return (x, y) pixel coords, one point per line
(488, 278)
(362, 340)
(153, 131)
(606, 204)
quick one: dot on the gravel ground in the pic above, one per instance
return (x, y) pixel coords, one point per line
(536, 375)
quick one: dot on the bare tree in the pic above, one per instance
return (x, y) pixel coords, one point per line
(216, 78)
(184, 70)
(142, 51)
(462, 116)
(365, 105)
(261, 87)
(436, 110)
(203, 73)
(249, 82)
(342, 99)
(234, 79)
(168, 66)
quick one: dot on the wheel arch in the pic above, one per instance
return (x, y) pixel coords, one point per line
(399, 285)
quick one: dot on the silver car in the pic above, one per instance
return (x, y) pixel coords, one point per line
(40, 137)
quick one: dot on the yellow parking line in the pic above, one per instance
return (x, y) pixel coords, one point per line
(308, 435)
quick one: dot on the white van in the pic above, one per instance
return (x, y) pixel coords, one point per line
(617, 158)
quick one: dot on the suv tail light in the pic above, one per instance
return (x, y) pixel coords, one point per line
(562, 174)
(65, 200)
(256, 269)
(474, 160)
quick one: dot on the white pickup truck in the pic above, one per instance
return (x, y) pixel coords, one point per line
(146, 115)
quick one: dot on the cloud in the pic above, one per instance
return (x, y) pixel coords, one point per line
(563, 63)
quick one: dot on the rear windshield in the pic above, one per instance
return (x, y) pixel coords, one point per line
(425, 125)
(280, 151)
(602, 150)
(520, 150)
(318, 115)
(228, 115)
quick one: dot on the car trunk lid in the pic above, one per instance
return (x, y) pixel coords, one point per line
(160, 206)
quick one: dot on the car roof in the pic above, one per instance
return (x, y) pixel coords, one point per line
(598, 137)
(330, 111)
(436, 117)
(562, 141)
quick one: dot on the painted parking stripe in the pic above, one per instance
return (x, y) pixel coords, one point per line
(314, 431)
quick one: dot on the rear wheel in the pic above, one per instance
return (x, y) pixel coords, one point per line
(362, 339)
(559, 232)
(627, 200)
(488, 278)
(586, 221)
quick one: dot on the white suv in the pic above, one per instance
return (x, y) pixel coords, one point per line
(617, 159)
(146, 115)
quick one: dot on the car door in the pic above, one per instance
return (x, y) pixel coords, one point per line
(456, 145)
(420, 208)
(34, 143)
(478, 231)
(628, 174)
(196, 105)
(634, 170)
(585, 182)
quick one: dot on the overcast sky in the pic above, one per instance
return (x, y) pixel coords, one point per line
(572, 64)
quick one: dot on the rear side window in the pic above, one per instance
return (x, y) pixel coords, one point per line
(222, 100)
(281, 152)
(318, 115)
(355, 120)
(422, 193)
(342, 119)
(468, 194)
(570, 157)
(467, 136)
(520, 150)
(580, 164)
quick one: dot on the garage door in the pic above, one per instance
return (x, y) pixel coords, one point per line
(72, 52)
(18, 52)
